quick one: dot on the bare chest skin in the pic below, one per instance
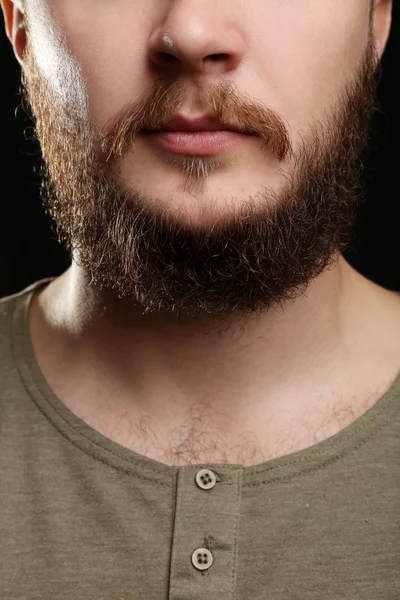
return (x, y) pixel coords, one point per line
(204, 437)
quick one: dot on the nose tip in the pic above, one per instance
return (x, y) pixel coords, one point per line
(196, 47)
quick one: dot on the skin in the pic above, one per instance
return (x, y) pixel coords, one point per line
(199, 390)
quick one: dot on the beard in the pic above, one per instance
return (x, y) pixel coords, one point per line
(250, 259)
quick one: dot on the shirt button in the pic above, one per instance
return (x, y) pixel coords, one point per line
(202, 559)
(206, 479)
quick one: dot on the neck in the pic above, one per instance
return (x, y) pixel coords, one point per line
(230, 374)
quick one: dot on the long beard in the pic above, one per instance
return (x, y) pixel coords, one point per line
(262, 254)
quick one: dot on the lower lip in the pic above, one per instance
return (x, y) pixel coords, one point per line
(197, 142)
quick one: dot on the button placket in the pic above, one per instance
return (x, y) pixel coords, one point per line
(205, 532)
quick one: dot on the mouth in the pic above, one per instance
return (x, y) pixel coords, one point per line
(201, 136)
(197, 142)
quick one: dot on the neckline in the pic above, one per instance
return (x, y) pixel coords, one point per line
(83, 436)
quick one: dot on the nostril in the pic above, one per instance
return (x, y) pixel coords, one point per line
(164, 59)
(218, 57)
(169, 58)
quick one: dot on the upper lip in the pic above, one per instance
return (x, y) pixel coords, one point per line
(206, 123)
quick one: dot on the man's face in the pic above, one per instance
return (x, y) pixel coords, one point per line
(242, 228)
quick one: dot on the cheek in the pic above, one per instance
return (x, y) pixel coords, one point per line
(59, 69)
(115, 74)
(83, 48)
(109, 41)
(309, 52)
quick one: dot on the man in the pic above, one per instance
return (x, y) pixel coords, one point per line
(206, 403)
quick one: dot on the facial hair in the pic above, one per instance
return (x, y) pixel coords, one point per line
(257, 256)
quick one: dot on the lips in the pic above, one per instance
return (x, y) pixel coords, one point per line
(203, 136)
(205, 123)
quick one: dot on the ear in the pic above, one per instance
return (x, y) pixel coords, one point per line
(381, 23)
(14, 18)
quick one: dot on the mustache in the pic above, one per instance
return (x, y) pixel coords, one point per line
(221, 102)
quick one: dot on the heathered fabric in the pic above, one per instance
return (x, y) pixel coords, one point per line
(84, 518)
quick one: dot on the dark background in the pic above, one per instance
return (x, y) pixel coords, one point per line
(29, 249)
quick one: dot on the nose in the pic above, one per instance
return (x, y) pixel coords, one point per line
(197, 38)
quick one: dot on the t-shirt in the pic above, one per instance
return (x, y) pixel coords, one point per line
(84, 518)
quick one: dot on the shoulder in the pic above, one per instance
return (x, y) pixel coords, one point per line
(13, 313)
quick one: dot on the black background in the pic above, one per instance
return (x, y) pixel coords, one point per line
(29, 249)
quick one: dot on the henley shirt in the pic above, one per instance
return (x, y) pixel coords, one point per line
(84, 518)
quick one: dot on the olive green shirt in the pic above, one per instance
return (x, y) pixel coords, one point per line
(84, 518)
